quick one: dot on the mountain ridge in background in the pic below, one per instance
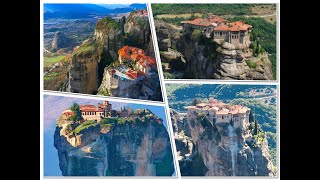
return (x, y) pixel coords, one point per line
(71, 11)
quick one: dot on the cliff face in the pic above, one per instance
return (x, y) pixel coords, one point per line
(87, 70)
(237, 62)
(129, 149)
(138, 34)
(138, 29)
(147, 88)
(89, 60)
(83, 72)
(219, 149)
(191, 55)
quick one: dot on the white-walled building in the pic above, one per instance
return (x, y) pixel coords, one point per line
(219, 112)
(91, 112)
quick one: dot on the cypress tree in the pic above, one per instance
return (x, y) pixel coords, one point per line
(255, 132)
(251, 118)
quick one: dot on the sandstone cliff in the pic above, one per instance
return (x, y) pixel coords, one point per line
(138, 147)
(137, 33)
(190, 54)
(238, 62)
(147, 88)
(91, 60)
(219, 149)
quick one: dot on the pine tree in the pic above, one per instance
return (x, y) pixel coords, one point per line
(77, 112)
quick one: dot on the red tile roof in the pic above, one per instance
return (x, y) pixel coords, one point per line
(217, 20)
(206, 21)
(221, 27)
(199, 22)
(239, 25)
(233, 26)
(87, 107)
(136, 54)
(134, 74)
(152, 60)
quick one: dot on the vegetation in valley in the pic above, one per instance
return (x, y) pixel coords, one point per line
(219, 9)
(57, 77)
(50, 60)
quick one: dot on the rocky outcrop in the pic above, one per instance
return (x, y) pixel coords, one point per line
(238, 62)
(138, 28)
(91, 60)
(83, 72)
(140, 148)
(120, 88)
(167, 35)
(219, 149)
(198, 57)
(60, 41)
(148, 87)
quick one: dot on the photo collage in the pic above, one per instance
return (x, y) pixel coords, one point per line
(160, 90)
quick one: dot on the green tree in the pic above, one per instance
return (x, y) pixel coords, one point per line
(196, 101)
(196, 35)
(251, 118)
(255, 132)
(137, 120)
(123, 21)
(77, 112)
(121, 121)
(113, 113)
(192, 16)
(76, 109)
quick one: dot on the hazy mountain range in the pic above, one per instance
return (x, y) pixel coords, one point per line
(71, 11)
